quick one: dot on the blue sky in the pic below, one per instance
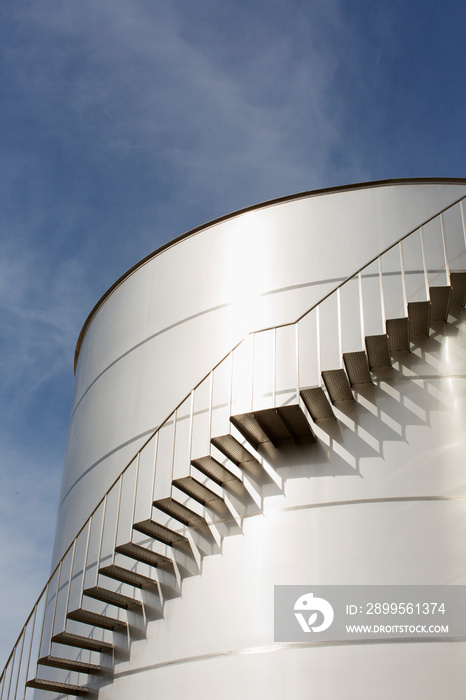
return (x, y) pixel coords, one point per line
(124, 123)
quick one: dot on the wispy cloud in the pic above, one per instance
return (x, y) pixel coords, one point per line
(126, 123)
(137, 81)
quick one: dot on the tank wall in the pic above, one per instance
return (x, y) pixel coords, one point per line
(168, 323)
(379, 500)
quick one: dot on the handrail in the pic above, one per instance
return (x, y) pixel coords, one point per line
(191, 393)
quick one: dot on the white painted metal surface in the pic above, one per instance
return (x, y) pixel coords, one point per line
(384, 503)
(173, 319)
(378, 498)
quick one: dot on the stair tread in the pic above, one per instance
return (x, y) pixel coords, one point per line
(317, 404)
(117, 599)
(180, 512)
(458, 283)
(163, 534)
(419, 318)
(274, 425)
(234, 450)
(203, 495)
(357, 367)
(378, 351)
(398, 334)
(57, 686)
(440, 300)
(119, 573)
(146, 556)
(96, 619)
(239, 455)
(220, 475)
(71, 664)
(337, 385)
(216, 471)
(76, 640)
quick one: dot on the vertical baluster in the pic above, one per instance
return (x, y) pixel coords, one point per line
(44, 615)
(211, 401)
(340, 332)
(253, 352)
(361, 310)
(135, 498)
(101, 538)
(30, 649)
(424, 263)
(20, 661)
(463, 221)
(403, 277)
(175, 417)
(191, 426)
(115, 539)
(230, 400)
(13, 658)
(318, 342)
(70, 581)
(382, 295)
(86, 554)
(156, 449)
(274, 368)
(447, 267)
(297, 359)
(56, 605)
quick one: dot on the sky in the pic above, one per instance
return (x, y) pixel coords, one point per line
(125, 123)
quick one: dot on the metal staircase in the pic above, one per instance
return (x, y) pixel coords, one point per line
(205, 469)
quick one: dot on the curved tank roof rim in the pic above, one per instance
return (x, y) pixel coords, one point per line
(253, 207)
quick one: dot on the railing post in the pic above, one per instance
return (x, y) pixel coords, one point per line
(447, 267)
(253, 351)
(340, 330)
(274, 368)
(174, 445)
(56, 604)
(44, 614)
(70, 581)
(11, 672)
(297, 359)
(211, 402)
(101, 538)
(382, 295)
(361, 310)
(463, 221)
(30, 648)
(403, 277)
(424, 263)
(230, 400)
(135, 498)
(156, 450)
(318, 344)
(20, 662)
(86, 554)
(115, 539)
(191, 426)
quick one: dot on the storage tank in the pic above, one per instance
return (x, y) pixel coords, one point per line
(273, 399)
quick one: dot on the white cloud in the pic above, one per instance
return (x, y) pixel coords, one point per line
(212, 119)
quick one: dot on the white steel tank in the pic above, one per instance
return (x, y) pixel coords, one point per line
(275, 398)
